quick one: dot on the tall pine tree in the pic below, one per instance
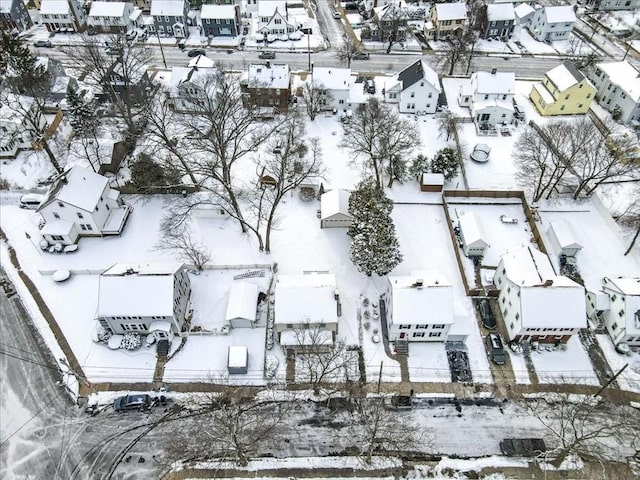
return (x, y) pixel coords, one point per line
(374, 245)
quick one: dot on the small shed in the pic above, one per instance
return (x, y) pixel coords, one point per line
(432, 182)
(334, 209)
(563, 239)
(238, 362)
(473, 240)
(242, 305)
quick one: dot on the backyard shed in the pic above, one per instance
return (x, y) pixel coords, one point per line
(238, 362)
(563, 239)
(473, 240)
(432, 182)
(334, 209)
(242, 305)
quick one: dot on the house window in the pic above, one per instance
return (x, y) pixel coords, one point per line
(511, 326)
(517, 316)
(79, 215)
(621, 313)
(404, 327)
(562, 107)
(580, 106)
(413, 94)
(439, 326)
(486, 97)
(566, 97)
(55, 215)
(83, 226)
(61, 205)
(58, 238)
(614, 297)
(430, 95)
(422, 327)
(422, 84)
(418, 334)
(614, 326)
(435, 334)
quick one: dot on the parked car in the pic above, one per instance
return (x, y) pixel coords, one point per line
(138, 402)
(31, 201)
(361, 56)
(495, 349)
(486, 314)
(43, 44)
(518, 112)
(267, 55)
(195, 52)
(336, 15)
(370, 85)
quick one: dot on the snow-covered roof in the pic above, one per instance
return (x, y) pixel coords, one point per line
(302, 298)
(57, 227)
(335, 202)
(79, 187)
(419, 71)
(332, 78)
(498, 12)
(525, 265)
(563, 234)
(54, 7)
(430, 302)
(266, 8)
(470, 230)
(218, 11)
(173, 8)
(238, 355)
(559, 14)
(544, 92)
(432, 179)
(147, 291)
(5, 6)
(492, 83)
(626, 285)
(564, 76)
(560, 304)
(451, 11)
(202, 61)
(624, 75)
(269, 76)
(523, 10)
(107, 9)
(243, 301)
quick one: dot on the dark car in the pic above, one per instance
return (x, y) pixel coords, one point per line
(486, 314)
(267, 55)
(196, 52)
(43, 44)
(518, 112)
(522, 447)
(495, 349)
(137, 402)
(361, 56)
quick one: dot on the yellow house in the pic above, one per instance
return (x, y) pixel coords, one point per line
(563, 91)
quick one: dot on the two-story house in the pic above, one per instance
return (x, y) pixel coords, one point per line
(273, 18)
(418, 307)
(537, 305)
(618, 86)
(267, 85)
(220, 20)
(552, 23)
(622, 317)
(498, 21)
(306, 303)
(170, 17)
(343, 93)
(14, 16)
(489, 96)
(446, 20)
(63, 15)
(415, 89)
(18, 124)
(146, 299)
(80, 203)
(110, 17)
(133, 79)
(608, 5)
(389, 22)
(564, 90)
(188, 86)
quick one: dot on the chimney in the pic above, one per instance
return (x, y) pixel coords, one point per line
(419, 282)
(494, 71)
(548, 283)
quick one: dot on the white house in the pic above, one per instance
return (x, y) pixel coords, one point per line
(622, 319)
(242, 305)
(618, 86)
(418, 307)
(344, 94)
(273, 18)
(110, 17)
(552, 23)
(188, 85)
(489, 96)
(147, 299)
(16, 124)
(61, 15)
(334, 209)
(307, 302)
(471, 235)
(523, 14)
(415, 89)
(563, 239)
(607, 5)
(536, 304)
(81, 203)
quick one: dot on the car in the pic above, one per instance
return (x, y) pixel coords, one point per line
(31, 201)
(495, 349)
(370, 85)
(131, 35)
(518, 112)
(481, 153)
(137, 402)
(336, 15)
(196, 52)
(486, 314)
(361, 56)
(43, 44)
(267, 55)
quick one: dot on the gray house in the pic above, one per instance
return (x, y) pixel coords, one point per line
(170, 17)
(498, 21)
(14, 16)
(220, 20)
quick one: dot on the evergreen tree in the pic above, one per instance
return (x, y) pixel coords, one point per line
(82, 116)
(21, 70)
(419, 165)
(374, 245)
(446, 162)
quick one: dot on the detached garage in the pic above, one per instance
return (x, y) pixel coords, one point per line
(238, 362)
(432, 182)
(242, 305)
(562, 239)
(334, 209)
(473, 242)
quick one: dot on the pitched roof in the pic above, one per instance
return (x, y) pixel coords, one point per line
(332, 78)
(301, 297)
(451, 11)
(563, 234)
(107, 9)
(79, 187)
(525, 265)
(266, 8)
(54, 7)
(243, 301)
(497, 12)
(470, 229)
(269, 76)
(559, 305)
(417, 71)
(559, 14)
(173, 8)
(425, 292)
(624, 75)
(523, 10)
(498, 82)
(335, 202)
(218, 11)
(565, 75)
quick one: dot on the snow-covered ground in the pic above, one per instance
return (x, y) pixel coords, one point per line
(564, 365)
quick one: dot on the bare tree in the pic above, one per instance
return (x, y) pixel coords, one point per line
(381, 430)
(456, 51)
(379, 136)
(315, 97)
(347, 50)
(586, 426)
(447, 125)
(182, 241)
(391, 23)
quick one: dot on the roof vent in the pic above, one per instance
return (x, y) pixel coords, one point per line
(494, 71)
(548, 283)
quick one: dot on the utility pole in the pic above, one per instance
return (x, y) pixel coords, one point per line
(380, 377)
(612, 379)
(309, 50)
(161, 49)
